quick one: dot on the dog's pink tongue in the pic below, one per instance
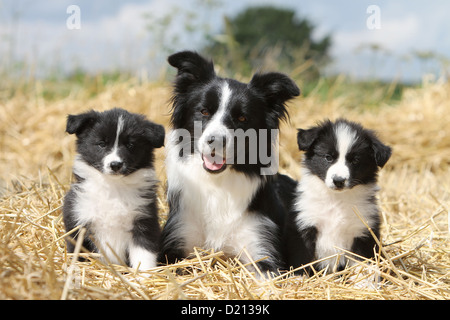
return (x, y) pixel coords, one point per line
(211, 165)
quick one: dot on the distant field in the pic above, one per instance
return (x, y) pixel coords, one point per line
(35, 172)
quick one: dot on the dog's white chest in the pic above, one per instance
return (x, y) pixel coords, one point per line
(109, 217)
(336, 216)
(109, 206)
(214, 209)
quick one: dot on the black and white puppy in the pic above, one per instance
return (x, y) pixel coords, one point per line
(339, 177)
(220, 184)
(114, 195)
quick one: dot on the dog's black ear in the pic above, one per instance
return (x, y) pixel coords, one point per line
(78, 123)
(154, 133)
(192, 67)
(382, 152)
(305, 138)
(277, 89)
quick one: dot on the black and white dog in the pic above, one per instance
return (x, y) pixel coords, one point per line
(339, 177)
(114, 195)
(220, 181)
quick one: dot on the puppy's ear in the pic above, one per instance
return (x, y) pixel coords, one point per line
(154, 133)
(382, 152)
(305, 138)
(192, 67)
(76, 124)
(276, 88)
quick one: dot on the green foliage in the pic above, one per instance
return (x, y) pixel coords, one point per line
(264, 37)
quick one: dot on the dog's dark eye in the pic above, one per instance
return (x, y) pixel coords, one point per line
(242, 119)
(355, 160)
(101, 144)
(329, 158)
(205, 112)
(130, 145)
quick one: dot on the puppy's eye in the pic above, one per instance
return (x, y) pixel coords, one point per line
(130, 145)
(355, 160)
(205, 112)
(242, 119)
(101, 144)
(329, 158)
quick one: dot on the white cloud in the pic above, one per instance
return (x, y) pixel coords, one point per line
(395, 35)
(118, 40)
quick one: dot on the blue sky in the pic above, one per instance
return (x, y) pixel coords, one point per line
(116, 35)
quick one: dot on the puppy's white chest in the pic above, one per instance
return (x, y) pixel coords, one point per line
(336, 216)
(109, 217)
(109, 207)
(106, 210)
(337, 225)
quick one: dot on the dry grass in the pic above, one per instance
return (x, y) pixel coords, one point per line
(35, 173)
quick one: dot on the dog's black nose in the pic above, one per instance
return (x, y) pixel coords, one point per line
(339, 182)
(116, 165)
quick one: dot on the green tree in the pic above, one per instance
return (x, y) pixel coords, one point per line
(268, 37)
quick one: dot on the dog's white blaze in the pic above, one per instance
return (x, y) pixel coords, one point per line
(113, 155)
(216, 126)
(345, 137)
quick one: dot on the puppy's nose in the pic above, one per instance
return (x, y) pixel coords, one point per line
(339, 182)
(116, 165)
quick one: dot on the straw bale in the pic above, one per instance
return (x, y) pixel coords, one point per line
(35, 173)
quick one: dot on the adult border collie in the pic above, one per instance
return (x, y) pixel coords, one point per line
(339, 178)
(221, 163)
(114, 196)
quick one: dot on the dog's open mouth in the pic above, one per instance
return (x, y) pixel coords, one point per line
(213, 164)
